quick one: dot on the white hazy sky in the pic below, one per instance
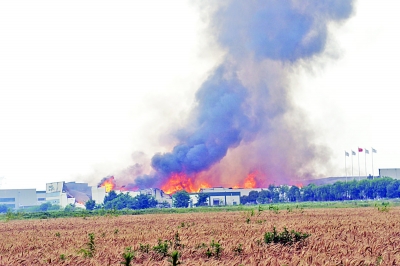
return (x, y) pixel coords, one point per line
(84, 84)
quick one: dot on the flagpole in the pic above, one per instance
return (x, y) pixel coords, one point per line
(359, 173)
(345, 168)
(365, 162)
(352, 166)
(372, 156)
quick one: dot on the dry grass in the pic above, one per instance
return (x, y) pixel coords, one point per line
(338, 237)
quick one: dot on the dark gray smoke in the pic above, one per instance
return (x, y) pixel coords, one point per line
(220, 123)
(244, 106)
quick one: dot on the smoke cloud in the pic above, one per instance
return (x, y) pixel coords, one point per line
(244, 118)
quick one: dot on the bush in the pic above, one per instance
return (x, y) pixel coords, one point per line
(45, 206)
(161, 248)
(181, 199)
(69, 208)
(3, 208)
(285, 237)
(90, 204)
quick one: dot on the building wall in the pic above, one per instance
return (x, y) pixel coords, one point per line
(158, 194)
(390, 172)
(18, 198)
(55, 194)
(227, 199)
(98, 194)
(59, 198)
(54, 187)
(41, 197)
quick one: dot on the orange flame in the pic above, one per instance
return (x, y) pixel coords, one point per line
(299, 185)
(109, 184)
(181, 182)
(250, 181)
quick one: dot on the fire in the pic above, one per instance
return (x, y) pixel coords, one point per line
(181, 182)
(250, 181)
(299, 185)
(108, 183)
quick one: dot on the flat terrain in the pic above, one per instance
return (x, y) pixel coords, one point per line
(361, 236)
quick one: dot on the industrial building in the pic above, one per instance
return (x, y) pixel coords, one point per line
(390, 172)
(225, 196)
(41, 197)
(158, 194)
(62, 193)
(18, 198)
(98, 194)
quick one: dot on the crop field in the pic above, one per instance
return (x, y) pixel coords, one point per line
(362, 236)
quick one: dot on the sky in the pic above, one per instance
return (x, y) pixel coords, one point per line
(89, 88)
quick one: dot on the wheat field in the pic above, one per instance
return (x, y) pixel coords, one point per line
(362, 236)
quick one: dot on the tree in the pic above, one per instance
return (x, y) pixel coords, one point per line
(120, 201)
(181, 199)
(293, 193)
(111, 195)
(284, 189)
(143, 201)
(44, 206)
(3, 208)
(309, 192)
(202, 199)
(264, 196)
(90, 204)
(392, 189)
(69, 208)
(252, 198)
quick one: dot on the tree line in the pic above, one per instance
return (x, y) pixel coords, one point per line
(377, 188)
(141, 201)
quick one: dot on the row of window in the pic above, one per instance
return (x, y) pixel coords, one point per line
(7, 199)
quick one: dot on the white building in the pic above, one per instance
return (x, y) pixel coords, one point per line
(18, 198)
(225, 196)
(56, 195)
(41, 197)
(98, 194)
(390, 172)
(158, 194)
(222, 196)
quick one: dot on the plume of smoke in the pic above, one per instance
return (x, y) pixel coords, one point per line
(244, 107)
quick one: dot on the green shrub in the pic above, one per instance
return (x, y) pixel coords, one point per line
(161, 247)
(274, 208)
(174, 258)
(128, 256)
(285, 237)
(238, 250)
(384, 207)
(89, 252)
(144, 248)
(177, 241)
(214, 249)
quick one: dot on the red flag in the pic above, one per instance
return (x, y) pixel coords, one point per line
(360, 150)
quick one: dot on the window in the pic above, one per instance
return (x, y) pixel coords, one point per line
(7, 199)
(41, 199)
(215, 201)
